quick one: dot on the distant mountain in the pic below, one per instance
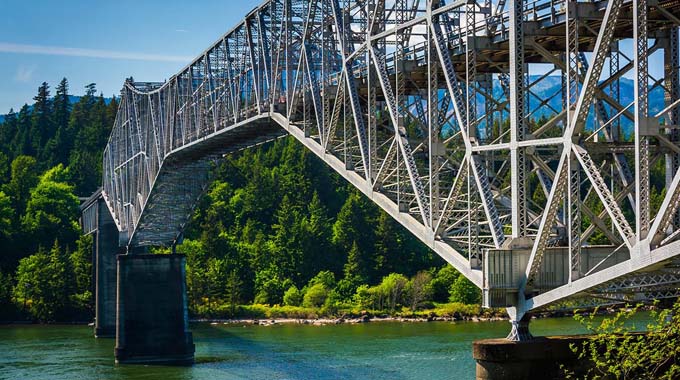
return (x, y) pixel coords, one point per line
(550, 88)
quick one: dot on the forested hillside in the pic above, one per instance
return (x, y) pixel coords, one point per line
(277, 227)
(50, 153)
(277, 232)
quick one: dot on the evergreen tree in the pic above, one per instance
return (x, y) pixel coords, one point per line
(288, 236)
(317, 249)
(21, 143)
(57, 148)
(8, 131)
(353, 224)
(42, 127)
(387, 246)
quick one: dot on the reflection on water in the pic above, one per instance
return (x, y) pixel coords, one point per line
(384, 350)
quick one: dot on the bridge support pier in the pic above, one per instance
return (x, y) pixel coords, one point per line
(538, 358)
(152, 320)
(106, 249)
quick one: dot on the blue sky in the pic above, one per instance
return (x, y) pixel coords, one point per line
(104, 41)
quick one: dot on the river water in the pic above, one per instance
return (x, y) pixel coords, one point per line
(377, 350)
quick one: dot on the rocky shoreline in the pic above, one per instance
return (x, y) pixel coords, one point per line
(341, 320)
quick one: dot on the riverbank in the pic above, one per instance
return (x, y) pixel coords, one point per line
(341, 320)
(265, 315)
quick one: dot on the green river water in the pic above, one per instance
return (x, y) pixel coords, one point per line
(377, 350)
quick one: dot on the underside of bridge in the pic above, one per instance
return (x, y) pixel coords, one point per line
(434, 110)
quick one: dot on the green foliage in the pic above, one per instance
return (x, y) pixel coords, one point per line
(618, 351)
(24, 177)
(7, 307)
(233, 290)
(42, 284)
(325, 278)
(442, 282)
(270, 287)
(363, 297)
(353, 225)
(457, 309)
(6, 213)
(315, 296)
(464, 291)
(392, 288)
(81, 262)
(292, 296)
(51, 213)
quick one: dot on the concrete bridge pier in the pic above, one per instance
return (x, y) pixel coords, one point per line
(106, 249)
(538, 358)
(152, 323)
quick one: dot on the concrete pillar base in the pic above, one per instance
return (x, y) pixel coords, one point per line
(152, 320)
(539, 358)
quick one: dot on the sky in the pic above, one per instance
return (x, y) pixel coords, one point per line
(104, 42)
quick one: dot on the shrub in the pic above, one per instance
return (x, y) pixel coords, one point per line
(419, 289)
(457, 309)
(291, 312)
(616, 351)
(464, 291)
(442, 282)
(292, 296)
(393, 287)
(363, 298)
(315, 296)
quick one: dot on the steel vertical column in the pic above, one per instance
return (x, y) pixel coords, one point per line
(642, 132)
(517, 121)
(574, 181)
(672, 84)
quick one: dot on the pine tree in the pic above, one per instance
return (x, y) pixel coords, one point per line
(353, 224)
(42, 127)
(8, 130)
(387, 247)
(59, 147)
(316, 247)
(21, 143)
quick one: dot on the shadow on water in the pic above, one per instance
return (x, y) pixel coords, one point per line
(279, 352)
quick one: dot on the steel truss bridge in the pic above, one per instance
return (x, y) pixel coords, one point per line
(430, 108)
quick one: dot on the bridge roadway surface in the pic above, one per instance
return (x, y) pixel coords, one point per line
(403, 101)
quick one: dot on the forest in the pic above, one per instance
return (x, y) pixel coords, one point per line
(277, 231)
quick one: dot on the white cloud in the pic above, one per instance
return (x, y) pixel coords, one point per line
(90, 53)
(181, 30)
(24, 73)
